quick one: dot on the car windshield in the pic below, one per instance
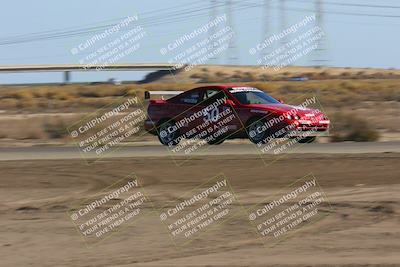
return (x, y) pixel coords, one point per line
(249, 95)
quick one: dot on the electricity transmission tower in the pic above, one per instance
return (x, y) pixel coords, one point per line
(232, 52)
(283, 24)
(319, 56)
(266, 26)
(212, 31)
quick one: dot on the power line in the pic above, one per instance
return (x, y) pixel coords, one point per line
(103, 21)
(353, 5)
(161, 17)
(53, 34)
(149, 21)
(347, 13)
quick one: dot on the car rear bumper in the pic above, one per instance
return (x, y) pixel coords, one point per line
(150, 126)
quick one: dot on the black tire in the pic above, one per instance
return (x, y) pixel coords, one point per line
(308, 139)
(252, 133)
(216, 141)
(166, 137)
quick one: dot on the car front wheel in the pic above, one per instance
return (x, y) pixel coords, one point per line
(255, 131)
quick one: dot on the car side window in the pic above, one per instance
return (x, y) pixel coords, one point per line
(190, 98)
(242, 97)
(212, 95)
(209, 93)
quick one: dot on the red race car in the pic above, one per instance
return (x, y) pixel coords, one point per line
(216, 113)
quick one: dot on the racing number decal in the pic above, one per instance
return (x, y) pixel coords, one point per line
(211, 116)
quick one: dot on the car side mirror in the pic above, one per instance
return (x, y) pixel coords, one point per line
(229, 102)
(281, 101)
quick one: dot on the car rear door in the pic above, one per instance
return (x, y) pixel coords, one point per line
(218, 114)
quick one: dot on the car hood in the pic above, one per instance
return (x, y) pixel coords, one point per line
(283, 108)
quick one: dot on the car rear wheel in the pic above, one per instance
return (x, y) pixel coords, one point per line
(167, 135)
(308, 139)
(217, 141)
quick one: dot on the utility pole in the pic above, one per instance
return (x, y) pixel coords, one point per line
(67, 77)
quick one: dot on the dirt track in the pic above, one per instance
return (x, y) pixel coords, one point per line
(362, 229)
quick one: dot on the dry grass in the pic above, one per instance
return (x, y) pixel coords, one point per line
(332, 93)
(56, 128)
(349, 127)
(61, 98)
(223, 74)
(350, 90)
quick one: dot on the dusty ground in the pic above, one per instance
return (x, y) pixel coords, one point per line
(361, 229)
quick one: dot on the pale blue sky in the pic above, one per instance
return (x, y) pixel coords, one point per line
(352, 40)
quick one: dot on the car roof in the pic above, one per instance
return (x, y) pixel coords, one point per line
(216, 86)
